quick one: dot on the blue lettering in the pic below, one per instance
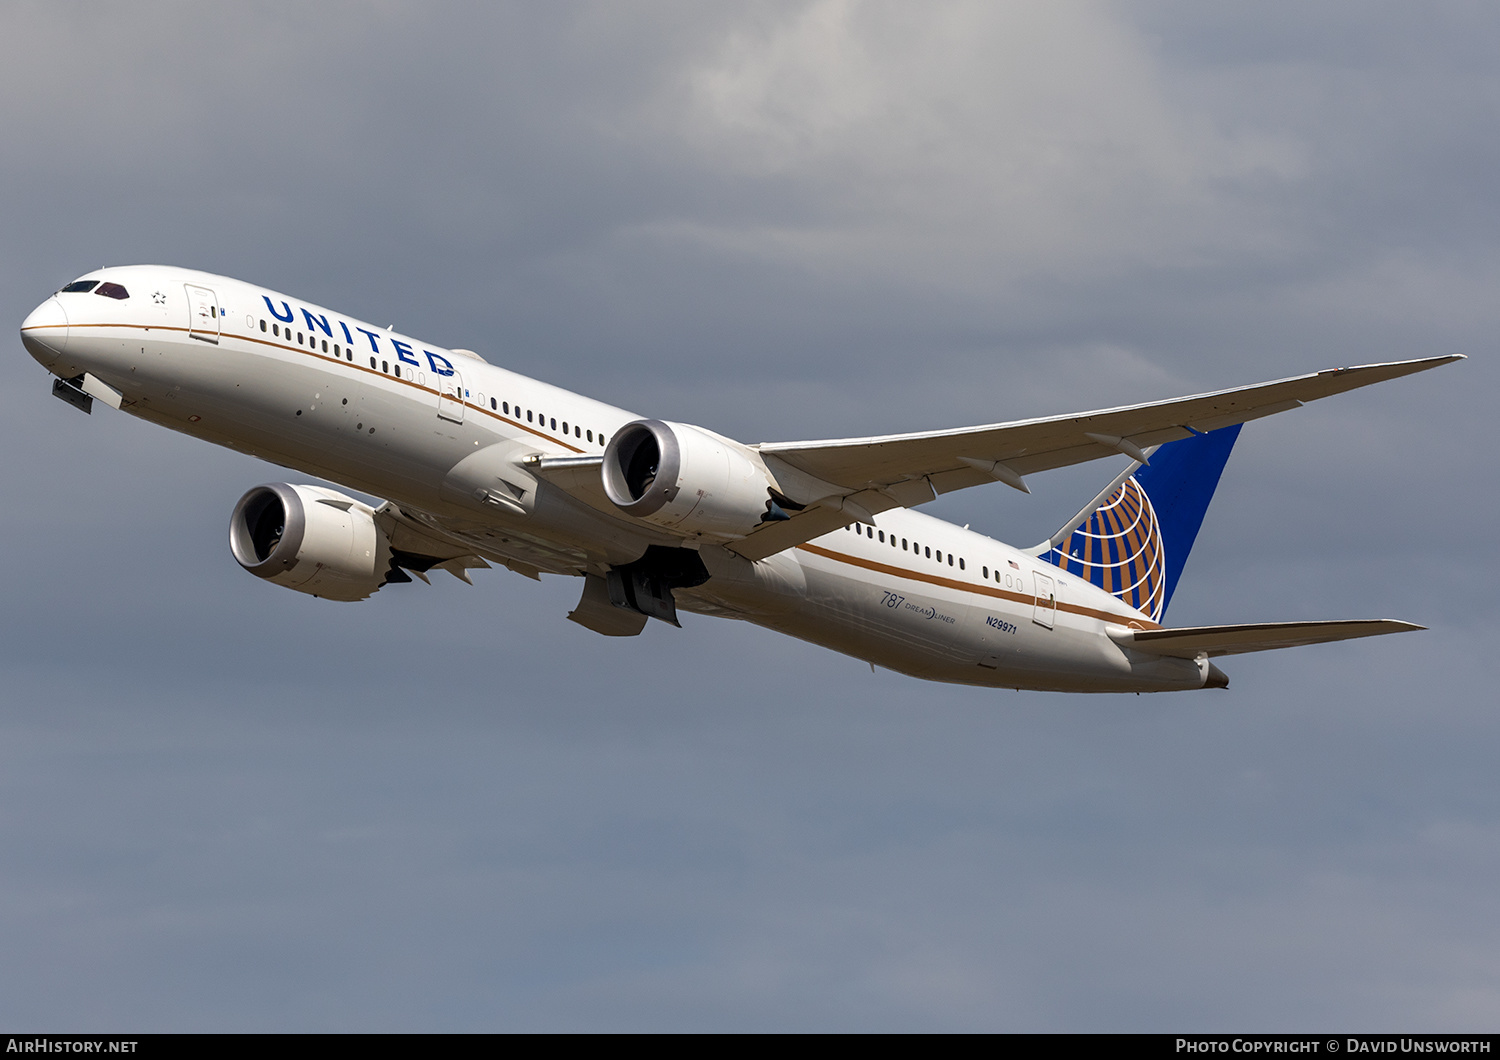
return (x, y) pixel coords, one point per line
(278, 316)
(318, 319)
(435, 360)
(404, 352)
(374, 346)
(347, 337)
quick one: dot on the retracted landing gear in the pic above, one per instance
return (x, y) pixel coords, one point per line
(71, 391)
(619, 603)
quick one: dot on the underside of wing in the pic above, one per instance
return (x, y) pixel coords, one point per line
(875, 474)
(1192, 641)
(421, 542)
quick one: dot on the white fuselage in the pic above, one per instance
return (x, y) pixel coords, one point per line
(378, 411)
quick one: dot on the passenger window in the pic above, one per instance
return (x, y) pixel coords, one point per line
(903, 544)
(276, 330)
(554, 424)
(565, 426)
(325, 345)
(493, 405)
(960, 564)
(112, 290)
(929, 553)
(349, 355)
(299, 338)
(385, 366)
(986, 573)
(591, 435)
(528, 415)
(79, 287)
(263, 325)
(882, 537)
(372, 362)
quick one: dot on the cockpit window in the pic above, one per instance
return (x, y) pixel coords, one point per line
(79, 287)
(112, 290)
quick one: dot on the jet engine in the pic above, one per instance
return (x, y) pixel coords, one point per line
(310, 539)
(688, 479)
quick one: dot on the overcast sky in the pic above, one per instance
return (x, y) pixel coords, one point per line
(225, 806)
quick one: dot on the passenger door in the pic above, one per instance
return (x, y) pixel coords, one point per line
(203, 313)
(451, 397)
(1045, 611)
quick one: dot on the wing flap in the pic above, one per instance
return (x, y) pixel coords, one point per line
(1190, 641)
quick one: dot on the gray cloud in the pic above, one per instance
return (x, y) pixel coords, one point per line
(448, 808)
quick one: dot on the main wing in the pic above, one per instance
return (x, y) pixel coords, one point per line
(872, 475)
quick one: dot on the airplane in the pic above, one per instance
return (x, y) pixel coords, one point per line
(816, 539)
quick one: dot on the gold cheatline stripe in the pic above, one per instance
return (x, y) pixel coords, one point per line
(968, 587)
(323, 359)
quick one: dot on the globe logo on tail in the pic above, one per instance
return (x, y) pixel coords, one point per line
(1119, 548)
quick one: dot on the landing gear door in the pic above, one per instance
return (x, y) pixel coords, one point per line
(451, 397)
(203, 313)
(1045, 612)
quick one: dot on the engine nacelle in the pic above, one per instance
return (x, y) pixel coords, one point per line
(687, 479)
(310, 539)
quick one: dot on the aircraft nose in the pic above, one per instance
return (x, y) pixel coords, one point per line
(45, 332)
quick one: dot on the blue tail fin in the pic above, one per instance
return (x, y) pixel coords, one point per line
(1135, 543)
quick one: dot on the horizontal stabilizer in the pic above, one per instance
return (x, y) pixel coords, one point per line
(1191, 641)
